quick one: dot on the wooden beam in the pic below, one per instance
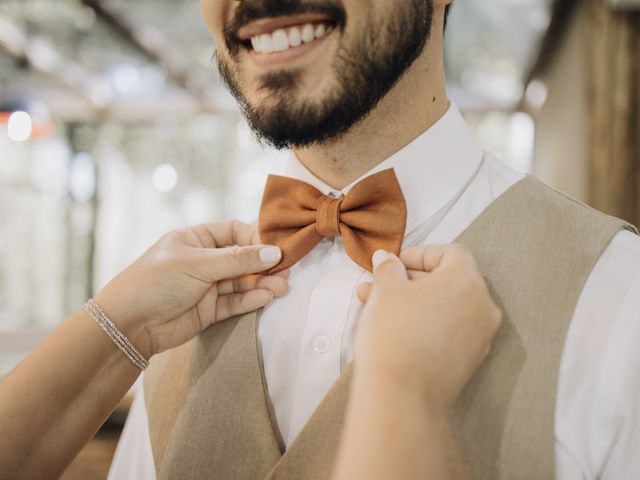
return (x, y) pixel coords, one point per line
(614, 116)
(561, 13)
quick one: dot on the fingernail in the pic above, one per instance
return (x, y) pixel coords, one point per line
(380, 257)
(270, 254)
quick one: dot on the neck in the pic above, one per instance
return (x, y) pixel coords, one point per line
(415, 103)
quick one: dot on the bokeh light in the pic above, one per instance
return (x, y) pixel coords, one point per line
(20, 126)
(165, 178)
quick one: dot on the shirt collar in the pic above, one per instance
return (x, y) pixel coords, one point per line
(431, 169)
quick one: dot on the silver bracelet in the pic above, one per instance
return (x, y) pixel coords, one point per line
(116, 336)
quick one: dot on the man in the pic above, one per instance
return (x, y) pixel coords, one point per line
(356, 88)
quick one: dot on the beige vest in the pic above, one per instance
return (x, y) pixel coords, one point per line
(209, 411)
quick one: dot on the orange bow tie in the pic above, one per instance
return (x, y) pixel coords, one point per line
(296, 216)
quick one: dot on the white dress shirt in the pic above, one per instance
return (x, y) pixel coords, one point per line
(307, 336)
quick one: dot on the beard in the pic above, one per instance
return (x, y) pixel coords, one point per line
(365, 68)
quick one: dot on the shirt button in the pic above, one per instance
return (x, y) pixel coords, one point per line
(321, 344)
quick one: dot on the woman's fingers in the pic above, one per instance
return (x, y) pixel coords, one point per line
(421, 258)
(364, 289)
(283, 273)
(232, 262)
(275, 283)
(211, 309)
(429, 258)
(416, 274)
(240, 303)
(387, 268)
(223, 234)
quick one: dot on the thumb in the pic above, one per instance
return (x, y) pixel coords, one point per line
(387, 267)
(232, 262)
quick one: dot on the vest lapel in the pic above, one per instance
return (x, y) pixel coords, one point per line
(318, 441)
(225, 411)
(536, 266)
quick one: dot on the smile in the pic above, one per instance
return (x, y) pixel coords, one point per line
(274, 36)
(292, 37)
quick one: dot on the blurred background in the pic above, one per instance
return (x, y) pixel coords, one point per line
(114, 128)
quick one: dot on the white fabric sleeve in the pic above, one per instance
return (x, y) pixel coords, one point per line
(598, 404)
(621, 405)
(133, 458)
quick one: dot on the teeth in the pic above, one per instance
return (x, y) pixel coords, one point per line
(320, 30)
(266, 43)
(295, 37)
(281, 40)
(255, 43)
(308, 33)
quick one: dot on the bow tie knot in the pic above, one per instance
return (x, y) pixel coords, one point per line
(296, 217)
(328, 216)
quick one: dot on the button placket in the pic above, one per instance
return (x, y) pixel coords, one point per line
(319, 358)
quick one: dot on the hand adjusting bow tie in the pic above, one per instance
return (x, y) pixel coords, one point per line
(296, 216)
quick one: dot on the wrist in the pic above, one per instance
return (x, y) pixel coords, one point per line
(131, 325)
(400, 396)
(407, 385)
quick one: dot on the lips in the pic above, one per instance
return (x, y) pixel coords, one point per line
(270, 25)
(283, 39)
(281, 34)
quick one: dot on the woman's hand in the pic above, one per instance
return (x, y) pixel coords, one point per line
(429, 330)
(422, 335)
(54, 401)
(190, 279)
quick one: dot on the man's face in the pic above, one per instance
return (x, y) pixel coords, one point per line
(306, 71)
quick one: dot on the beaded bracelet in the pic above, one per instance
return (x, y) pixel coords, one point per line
(119, 338)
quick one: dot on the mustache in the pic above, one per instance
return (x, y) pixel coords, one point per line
(249, 11)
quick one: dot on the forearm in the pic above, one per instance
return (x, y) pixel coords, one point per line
(58, 397)
(392, 433)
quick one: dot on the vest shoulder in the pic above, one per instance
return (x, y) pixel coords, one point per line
(532, 219)
(536, 200)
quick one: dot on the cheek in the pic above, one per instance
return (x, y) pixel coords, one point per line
(362, 17)
(359, 11)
